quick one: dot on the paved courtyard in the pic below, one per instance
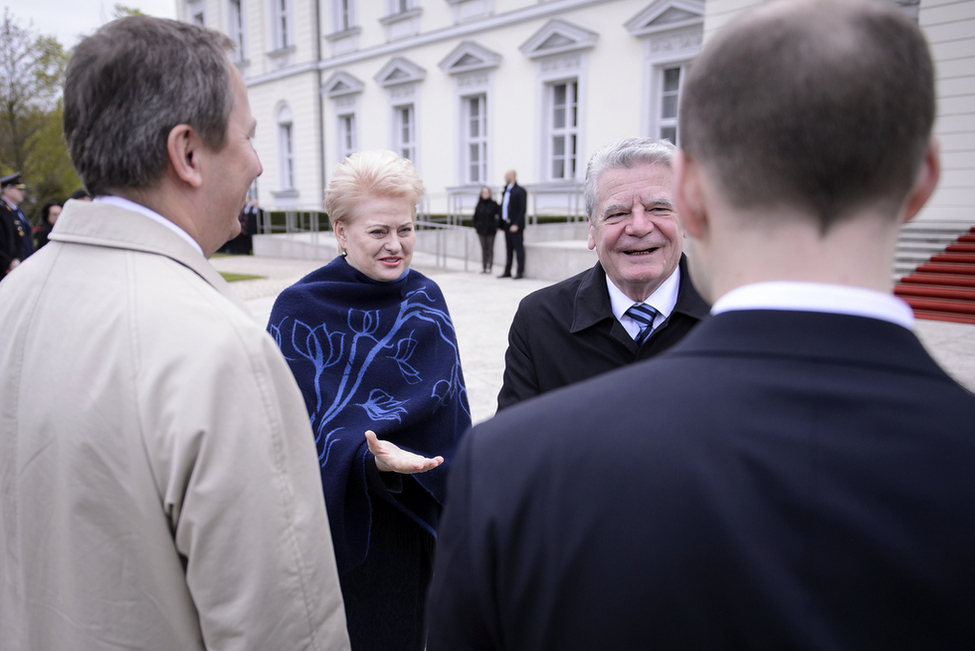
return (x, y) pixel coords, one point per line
(482, 307)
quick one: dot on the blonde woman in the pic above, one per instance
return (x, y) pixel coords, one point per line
(373, 349)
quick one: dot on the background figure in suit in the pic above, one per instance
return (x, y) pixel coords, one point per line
(514, 201)
(797, 471)
(583, 326)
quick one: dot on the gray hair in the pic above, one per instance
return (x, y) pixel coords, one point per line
(624, 154)
(129, 84)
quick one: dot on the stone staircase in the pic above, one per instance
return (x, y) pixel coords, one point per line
(935, 270)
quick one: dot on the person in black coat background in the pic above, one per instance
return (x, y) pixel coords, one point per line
(49, 216)
(514, 203)
(486, 224)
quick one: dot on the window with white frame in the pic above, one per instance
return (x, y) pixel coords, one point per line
(281, 19)
(235, 26)
(563, 126)
(404, 131)
(344, 15)
(346, 136)
(476, 138)
(670, 80)
(400, 6)
(286, 149)
(197, 13)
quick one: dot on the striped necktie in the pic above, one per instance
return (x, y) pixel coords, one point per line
(644, 315)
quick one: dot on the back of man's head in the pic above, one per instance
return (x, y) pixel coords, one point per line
(129, 84)
(822, 105)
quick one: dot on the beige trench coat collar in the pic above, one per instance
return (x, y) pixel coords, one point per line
(100, 224)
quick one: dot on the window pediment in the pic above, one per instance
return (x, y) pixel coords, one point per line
(665, 15)
(558, 36)
(399, 71)
(468, 56)
(342, 83)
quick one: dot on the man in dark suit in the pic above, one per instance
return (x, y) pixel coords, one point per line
(16, 236)
(514, 202)
(590, 323)
(796, 473)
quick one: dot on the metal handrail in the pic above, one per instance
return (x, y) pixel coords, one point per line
(440, 251)
(299, 220)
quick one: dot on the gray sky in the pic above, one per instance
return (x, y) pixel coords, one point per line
(70, 19)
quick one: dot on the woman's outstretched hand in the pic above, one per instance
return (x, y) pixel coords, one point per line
(392, 458)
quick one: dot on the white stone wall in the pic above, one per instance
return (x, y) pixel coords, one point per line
(950, 28)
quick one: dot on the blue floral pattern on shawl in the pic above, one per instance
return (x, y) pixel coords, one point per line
(380, 356)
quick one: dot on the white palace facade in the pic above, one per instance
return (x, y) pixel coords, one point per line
(468, 89)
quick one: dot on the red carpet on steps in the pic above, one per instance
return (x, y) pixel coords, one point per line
(943, 289)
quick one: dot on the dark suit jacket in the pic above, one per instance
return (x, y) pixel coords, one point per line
(9, 242)
(777, 480)
(517, 205)
(566, 333)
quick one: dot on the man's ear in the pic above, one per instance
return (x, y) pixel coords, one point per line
(688, 195)
(926, 181)
(183, 146)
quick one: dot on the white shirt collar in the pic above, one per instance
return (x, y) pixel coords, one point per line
(663, 299)
(817, 297)
(151, 214)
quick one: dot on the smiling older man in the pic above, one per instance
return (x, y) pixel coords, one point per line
(636, 301)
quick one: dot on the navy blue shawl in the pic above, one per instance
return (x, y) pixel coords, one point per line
(380, 356)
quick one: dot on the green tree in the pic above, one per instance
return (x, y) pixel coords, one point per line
(121, 11)
(31, 135)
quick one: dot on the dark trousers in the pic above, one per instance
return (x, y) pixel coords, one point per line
(487, 251)
(514, 244)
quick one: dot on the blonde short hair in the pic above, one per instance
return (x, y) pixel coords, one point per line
(378, 173)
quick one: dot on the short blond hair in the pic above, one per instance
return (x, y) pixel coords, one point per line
(378, 173)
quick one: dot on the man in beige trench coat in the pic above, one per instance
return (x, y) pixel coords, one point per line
(158, 478)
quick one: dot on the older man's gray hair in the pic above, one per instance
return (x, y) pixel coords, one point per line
(624, 154)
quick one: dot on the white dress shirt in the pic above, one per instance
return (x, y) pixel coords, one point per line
(504, 202)
(817, 297)
(151, 214)
(663, 300)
